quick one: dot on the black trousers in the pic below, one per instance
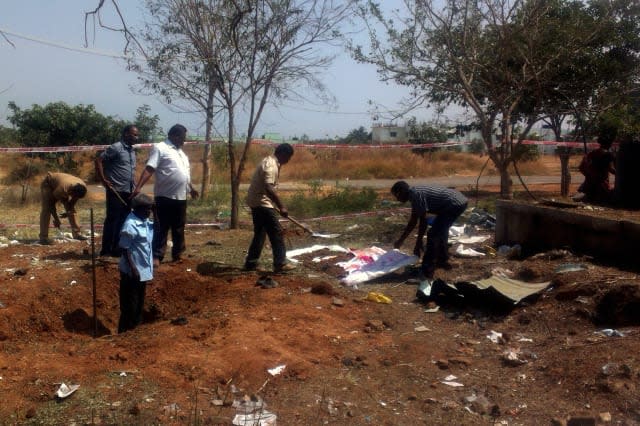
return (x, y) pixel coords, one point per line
(265, 223)
(437, 249)
(131, 302)
(117, 212)
(170, 215)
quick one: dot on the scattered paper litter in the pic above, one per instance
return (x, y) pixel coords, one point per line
(277, 370)
(450, 381)
(610, 332)
(467, 252)
(495, 336)
(474, 239)
(64, 390)
(263, 418)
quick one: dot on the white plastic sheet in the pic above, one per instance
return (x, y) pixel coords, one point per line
(376, 265)
(461, 251)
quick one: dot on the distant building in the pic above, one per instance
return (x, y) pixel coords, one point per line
(273, 136)
(388, 133)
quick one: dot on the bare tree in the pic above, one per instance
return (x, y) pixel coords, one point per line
(94, 15)
(499, 58)
(238, 56)
(276, 57)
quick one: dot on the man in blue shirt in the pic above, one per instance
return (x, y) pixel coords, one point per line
(116, 168)
(136, 262)
(446, 204)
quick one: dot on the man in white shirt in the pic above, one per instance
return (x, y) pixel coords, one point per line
(172, 184)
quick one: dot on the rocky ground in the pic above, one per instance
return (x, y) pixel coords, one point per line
(211, 336)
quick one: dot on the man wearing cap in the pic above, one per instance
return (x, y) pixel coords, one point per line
(66, 189)
(136, 262)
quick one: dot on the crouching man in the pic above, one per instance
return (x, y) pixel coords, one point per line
(447, 205)
(66, 189)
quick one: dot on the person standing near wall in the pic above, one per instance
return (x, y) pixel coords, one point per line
(116, 168)
(170, 165)
(596, 167)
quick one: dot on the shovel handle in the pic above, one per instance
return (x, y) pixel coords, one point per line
(118, 195)
(306, 228)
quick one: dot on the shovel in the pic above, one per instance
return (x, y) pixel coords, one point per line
(310, 231)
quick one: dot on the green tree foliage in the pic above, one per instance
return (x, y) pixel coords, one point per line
(148, 125)
(59, 124)
(425, 132)
(357, 136)
(504, 61)
(420, 133)
(8, 136)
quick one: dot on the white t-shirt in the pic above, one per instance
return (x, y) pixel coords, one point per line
(172, 171)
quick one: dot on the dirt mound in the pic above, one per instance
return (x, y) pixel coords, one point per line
(210, 336)
(620, 306)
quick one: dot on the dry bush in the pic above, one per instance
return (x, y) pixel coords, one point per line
(319, 164)
(378, 164)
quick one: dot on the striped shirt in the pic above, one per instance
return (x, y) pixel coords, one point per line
(434, 199)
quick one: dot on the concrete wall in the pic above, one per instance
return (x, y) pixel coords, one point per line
(538, 228)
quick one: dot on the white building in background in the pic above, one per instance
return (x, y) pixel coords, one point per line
(388, 133)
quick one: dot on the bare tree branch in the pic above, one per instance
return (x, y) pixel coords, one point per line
(128, 35)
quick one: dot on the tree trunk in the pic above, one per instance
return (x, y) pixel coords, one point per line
(565, 176)
(206, 152)
(627, 184)
(506, 184)
(206, 172)
(235, 175)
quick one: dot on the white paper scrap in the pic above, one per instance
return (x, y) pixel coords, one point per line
(64, 390)
(277, 370)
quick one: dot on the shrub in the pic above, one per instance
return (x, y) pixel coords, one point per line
(338, 200)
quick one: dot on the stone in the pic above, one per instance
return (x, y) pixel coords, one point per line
(442, 364)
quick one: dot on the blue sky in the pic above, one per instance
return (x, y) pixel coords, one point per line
(36, 73)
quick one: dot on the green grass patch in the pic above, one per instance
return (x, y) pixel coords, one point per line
(215, 206)
(337, 200)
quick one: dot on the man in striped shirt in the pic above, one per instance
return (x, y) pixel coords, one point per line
(446, 204)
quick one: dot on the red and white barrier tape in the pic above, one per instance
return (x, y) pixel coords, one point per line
(85, 148)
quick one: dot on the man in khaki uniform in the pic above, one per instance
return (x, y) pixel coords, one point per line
(264, 200)
(66, 189)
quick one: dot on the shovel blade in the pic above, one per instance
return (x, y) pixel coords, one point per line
(319, 235)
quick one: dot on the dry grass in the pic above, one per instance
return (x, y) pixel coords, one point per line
(308, 165)
(326, 164)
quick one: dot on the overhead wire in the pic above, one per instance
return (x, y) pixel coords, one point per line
(114, 55)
